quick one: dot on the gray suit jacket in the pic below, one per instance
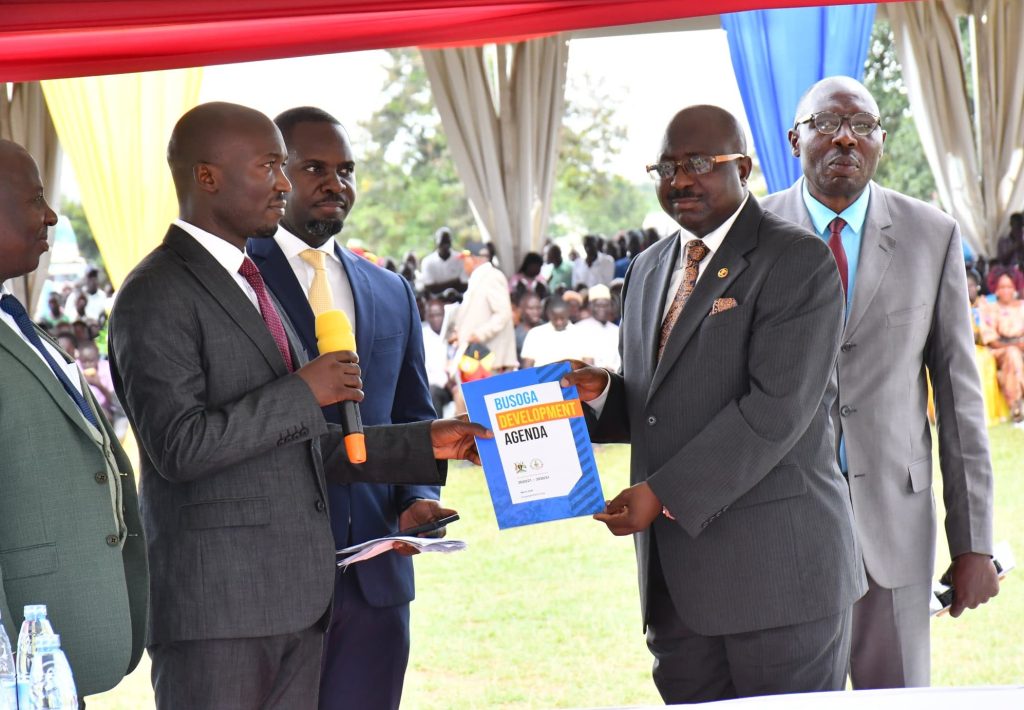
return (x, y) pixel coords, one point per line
(909, 312)
(233, 452)
(731, 430)
(55, 521)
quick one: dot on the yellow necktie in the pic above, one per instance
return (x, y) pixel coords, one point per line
(320, 298)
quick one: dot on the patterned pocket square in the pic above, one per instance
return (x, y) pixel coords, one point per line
(722, 304)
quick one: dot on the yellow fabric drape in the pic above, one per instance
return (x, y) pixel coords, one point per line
(115, 131)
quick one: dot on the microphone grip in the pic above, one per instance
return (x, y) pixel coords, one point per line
(334, 333)
(352, 427)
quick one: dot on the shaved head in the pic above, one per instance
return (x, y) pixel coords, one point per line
(818, 94)
(837, 166)
(10, 151)
(207, 133)
(25, 218)
(734, 139)
(227, 162)
(701, 202)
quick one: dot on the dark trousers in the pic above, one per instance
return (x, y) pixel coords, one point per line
(691, 668)
(366, 652)
(264, 673)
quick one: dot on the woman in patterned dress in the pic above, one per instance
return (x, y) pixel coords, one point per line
(1002, 330)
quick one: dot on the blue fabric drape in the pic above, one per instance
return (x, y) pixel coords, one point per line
(777, 55)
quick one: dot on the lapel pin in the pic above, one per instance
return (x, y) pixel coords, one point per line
(722, 273)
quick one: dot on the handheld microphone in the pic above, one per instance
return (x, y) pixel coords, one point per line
(334, 333)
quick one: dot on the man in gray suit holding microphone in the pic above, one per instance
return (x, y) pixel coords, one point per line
(747, 559)
(903, 272)
(234, 446)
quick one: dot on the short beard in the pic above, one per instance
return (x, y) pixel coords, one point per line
(323, 228)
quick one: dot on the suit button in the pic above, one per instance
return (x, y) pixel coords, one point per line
(321, 506)
(101, 477)
(846, 410)
(651, 421)
(112, 540)
(847, 347)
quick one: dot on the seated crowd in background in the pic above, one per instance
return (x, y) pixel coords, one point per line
(556, 308)
(559, 307)
(551, 316)
(994, 291)
(75, 315)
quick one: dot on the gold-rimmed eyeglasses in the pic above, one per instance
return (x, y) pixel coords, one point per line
(693, 165)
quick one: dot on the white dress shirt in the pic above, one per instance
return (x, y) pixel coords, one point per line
(602, 271)
(435, 357)
(225, 253)
(600, 342)
(545, 345)
(70, 368)
(712, 240)
(435, 270)
(337, 278)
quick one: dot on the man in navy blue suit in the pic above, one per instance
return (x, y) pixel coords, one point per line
(367, 646)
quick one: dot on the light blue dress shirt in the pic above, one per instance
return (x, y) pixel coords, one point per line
(854, 216)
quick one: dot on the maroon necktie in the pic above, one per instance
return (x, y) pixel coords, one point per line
(835, 243)
(251, 274)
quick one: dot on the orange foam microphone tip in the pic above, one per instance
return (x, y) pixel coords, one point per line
(355, 447)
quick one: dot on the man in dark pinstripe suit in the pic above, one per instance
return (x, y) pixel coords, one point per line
(747, 560)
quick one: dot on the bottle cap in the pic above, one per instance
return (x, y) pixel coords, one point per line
(35, 611)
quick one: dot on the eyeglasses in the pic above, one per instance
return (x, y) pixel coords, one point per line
(694, 165)
(826, 122)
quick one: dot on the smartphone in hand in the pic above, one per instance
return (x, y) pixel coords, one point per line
(420, 530)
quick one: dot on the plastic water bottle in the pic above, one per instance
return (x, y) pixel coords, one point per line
(53, 686)
(35, 624)
(8, 673)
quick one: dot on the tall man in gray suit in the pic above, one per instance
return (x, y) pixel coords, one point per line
(70, 535)
(747, 559)
(234, 445)
(903, 271)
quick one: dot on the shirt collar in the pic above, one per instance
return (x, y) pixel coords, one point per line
(713, 239)
(292, 246)
(226, 254)
(3, 288)
(822, 216)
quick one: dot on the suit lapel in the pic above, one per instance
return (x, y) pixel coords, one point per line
(794, 204)
(655, 288)
(278, 274)
(876, 252)
(226, 294)
(365, 325)
(24, 353)
(741, 238)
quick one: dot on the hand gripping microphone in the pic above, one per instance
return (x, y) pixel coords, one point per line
(334, 333)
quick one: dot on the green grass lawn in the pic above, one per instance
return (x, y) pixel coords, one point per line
(547, 616)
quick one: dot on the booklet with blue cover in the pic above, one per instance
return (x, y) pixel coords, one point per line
(540, 464)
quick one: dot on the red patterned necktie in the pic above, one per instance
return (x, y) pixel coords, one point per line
(835, 243)
(695, 253)
(270, 315)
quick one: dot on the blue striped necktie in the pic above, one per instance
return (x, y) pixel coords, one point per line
(12, 306)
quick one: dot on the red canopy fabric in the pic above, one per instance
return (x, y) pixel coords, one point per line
(47, 40)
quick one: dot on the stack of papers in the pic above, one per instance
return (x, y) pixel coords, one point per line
(372, 548)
